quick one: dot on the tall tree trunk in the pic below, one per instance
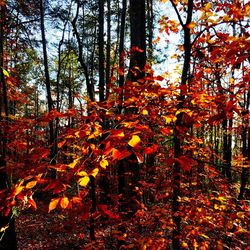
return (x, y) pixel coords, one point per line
(108, 47)
(48, 87)
(121, 43)
(101, 50)
(245, 145)
(89, 85)
(137, 62)
(150, 28)
(179, 127)
(7, 237)
(137, 39)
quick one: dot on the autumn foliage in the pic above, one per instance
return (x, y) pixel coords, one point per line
(116, 160)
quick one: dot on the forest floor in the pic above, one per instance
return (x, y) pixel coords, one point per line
(60, 230)
(49, 231)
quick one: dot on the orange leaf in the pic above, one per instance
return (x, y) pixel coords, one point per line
(134, 141)
(191, 25)
(18, 190)
(60, 144)
(64, 202)
(31, 184)
(53, 203)
(77, 200)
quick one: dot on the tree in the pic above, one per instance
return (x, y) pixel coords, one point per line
(8, 235)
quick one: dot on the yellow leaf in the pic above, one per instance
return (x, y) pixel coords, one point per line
(216, 207)
(208, 6)
(221, 198)
(18, 190)
(53, 203)
(84, 181)
(4, 228)
(64, 202)
(121, 134)
(169, 118)
(95, 172)
(6, 73)
(82, 173)
(73, 164)
(31, 184)
(104, 163)
(187, 111)
(240, 215)
(134, 141)
(205, 236)
(144, 112)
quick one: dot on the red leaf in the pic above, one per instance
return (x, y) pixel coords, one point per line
(139, 157)
(119, 155)
(32, 203)
(105, 212)
(186, 162)
(151, 149)
(159, 78)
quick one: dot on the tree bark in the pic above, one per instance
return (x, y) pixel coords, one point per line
(136, 71)
(245, 146)
(7, 237)
(150, 28)
(48, 88)
(137, 39)
(101, 50)
(179, 127)
(89, 85)
(121, 42)
(108, 47)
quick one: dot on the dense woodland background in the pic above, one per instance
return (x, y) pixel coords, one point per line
(124, 124)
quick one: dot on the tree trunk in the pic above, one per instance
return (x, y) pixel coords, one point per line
(7, 237)
(121, 43)
(150, 28)
(128, 170)
(137, 39)
(108, 47)
(101, 50)
(245, 146)
(179, 127)
(48, 88)
(89, 85)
